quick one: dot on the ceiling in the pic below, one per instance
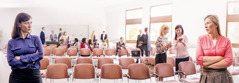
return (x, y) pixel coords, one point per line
(59, 3)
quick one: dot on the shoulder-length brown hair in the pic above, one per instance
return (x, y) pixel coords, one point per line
(21, 17)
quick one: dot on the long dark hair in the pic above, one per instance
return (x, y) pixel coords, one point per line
(21, 17)
(178, 26)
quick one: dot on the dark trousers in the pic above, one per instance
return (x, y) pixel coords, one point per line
(178, 60)
(147, 53)
(142, 54)
(161, 58)
(25, 76)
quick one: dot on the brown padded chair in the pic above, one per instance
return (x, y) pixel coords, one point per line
(138, 72)
(165, 70)
(188, 67)
(171, 61)
(84, 71)
(97, 52)
(147, 60)
(84, 51)
(64, 47)
(102, 61)
(59, 51)
(57, 71)
(123, 52)
(110, 52)
(64, 60)
(84, 60)
(47, 51)
(72, 51)
(44, 63)
(53, 45)
(125, 62)
(111, 71)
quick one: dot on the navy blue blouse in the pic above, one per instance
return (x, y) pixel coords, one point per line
(29, 49)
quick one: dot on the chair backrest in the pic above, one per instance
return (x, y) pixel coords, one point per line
(110, 52)
(123, 52)
(138, 71)
(171, 61)
(84, 71)
(83, 60)
(74, 47)
(52, 49)
(164, 70)
(111, 71)
(57, 71)
(5, 46)
(44, 63)
(47, 51)
(59, 51)
(147, 60)
(64, 47)
(125, 62)
(72, 52)
(97, 52)
(188, 67)
(236, 59)
(84, 51)
(53, 45)
(64, 60)
(102, 61)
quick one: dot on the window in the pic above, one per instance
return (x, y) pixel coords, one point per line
(133, 24)
(160, 15)
(233, 22)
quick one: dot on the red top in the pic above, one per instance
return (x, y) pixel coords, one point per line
(205, 47)
(82, 45)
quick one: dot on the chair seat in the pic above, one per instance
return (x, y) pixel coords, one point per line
(192, 80)
(234, 72)
(170, 81)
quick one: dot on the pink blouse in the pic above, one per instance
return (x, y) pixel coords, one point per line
(205, 47)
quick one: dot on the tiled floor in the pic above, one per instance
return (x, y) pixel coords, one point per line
(5, 71)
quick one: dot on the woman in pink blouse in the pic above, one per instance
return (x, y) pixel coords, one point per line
(214, 53)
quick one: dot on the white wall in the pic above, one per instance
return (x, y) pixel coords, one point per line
(93, 17)
(189, 13)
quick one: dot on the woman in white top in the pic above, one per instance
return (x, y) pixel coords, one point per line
(180, 46)
(63, 39)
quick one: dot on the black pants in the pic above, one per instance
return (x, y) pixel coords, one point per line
(178, 60)
(161, 58)
(142, 54)
(147, 53)
(25, 76)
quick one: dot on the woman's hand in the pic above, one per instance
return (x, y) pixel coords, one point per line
(17, 57)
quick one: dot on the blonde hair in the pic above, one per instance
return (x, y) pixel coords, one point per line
(163, 28)
(215, 20)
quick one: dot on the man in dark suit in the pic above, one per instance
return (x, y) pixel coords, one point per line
(120, 45)
(103, 36)
(60, 34)
(140, 41)
(42, 35)
(53, 36)
(147, 43)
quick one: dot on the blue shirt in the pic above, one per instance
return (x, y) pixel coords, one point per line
(29, 49)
